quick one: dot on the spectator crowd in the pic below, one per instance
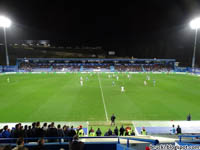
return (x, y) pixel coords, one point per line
(49, 130)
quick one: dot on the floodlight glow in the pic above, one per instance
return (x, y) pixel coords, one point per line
(195, 24)
(4, 22)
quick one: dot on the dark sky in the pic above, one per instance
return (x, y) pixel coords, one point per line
(124, 25)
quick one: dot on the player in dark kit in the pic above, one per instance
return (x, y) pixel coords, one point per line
(189, 117)
(113, 119)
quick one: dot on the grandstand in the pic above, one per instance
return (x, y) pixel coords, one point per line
(103, 65)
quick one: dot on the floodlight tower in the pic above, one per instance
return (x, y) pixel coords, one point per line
(195, 25)
(5, 23)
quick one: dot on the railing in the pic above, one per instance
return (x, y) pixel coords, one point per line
(154, 142)
(191, 136)
(61, 139)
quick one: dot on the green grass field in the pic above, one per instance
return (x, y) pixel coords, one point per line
(59, 97)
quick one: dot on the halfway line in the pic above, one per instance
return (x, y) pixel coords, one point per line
(103, 98)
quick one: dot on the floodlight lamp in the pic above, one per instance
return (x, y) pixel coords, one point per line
(5, 22)
(195, 24)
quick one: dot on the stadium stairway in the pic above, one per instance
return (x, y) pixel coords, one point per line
(143, 68)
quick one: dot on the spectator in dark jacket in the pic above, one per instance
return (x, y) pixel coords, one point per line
(116, 131)
(66, 130)
(29, 132)
(121, 130)
(109, 132)
(132, 133)
(60, 131)
(178, 130)
(98, 132)
(72, 132)
(33, 129)
(44, 129)
(25, 131)
(38, 130)
(52, 131)
(18, 132)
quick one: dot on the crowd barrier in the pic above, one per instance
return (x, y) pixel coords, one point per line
(60, 142)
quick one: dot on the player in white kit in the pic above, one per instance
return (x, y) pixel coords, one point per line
(81, 82)
(145, 82)
(117, 78)
(122, 89)
(148, 77)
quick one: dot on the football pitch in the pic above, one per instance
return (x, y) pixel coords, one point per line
(60, 97)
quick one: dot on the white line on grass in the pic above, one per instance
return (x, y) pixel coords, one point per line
(103, 98)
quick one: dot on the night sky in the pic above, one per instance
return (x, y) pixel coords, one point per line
(125, 27)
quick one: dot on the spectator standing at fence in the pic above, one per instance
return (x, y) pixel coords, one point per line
(66, 130)
(33, 129)
(173, 130)
(121, 130)
(112, 119)
(72, 132)
(144, 132)
(29, 132)
(80, 131)
(91, 132)
(44, 127)
(52, 131)
(128, 131)
(178, 130)
(6, 132)
(38, 130)
(109, 132)
(132, 133)
(60, 131)
(17, 131)
(116, 131)
(98, 132)
(189, 117)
